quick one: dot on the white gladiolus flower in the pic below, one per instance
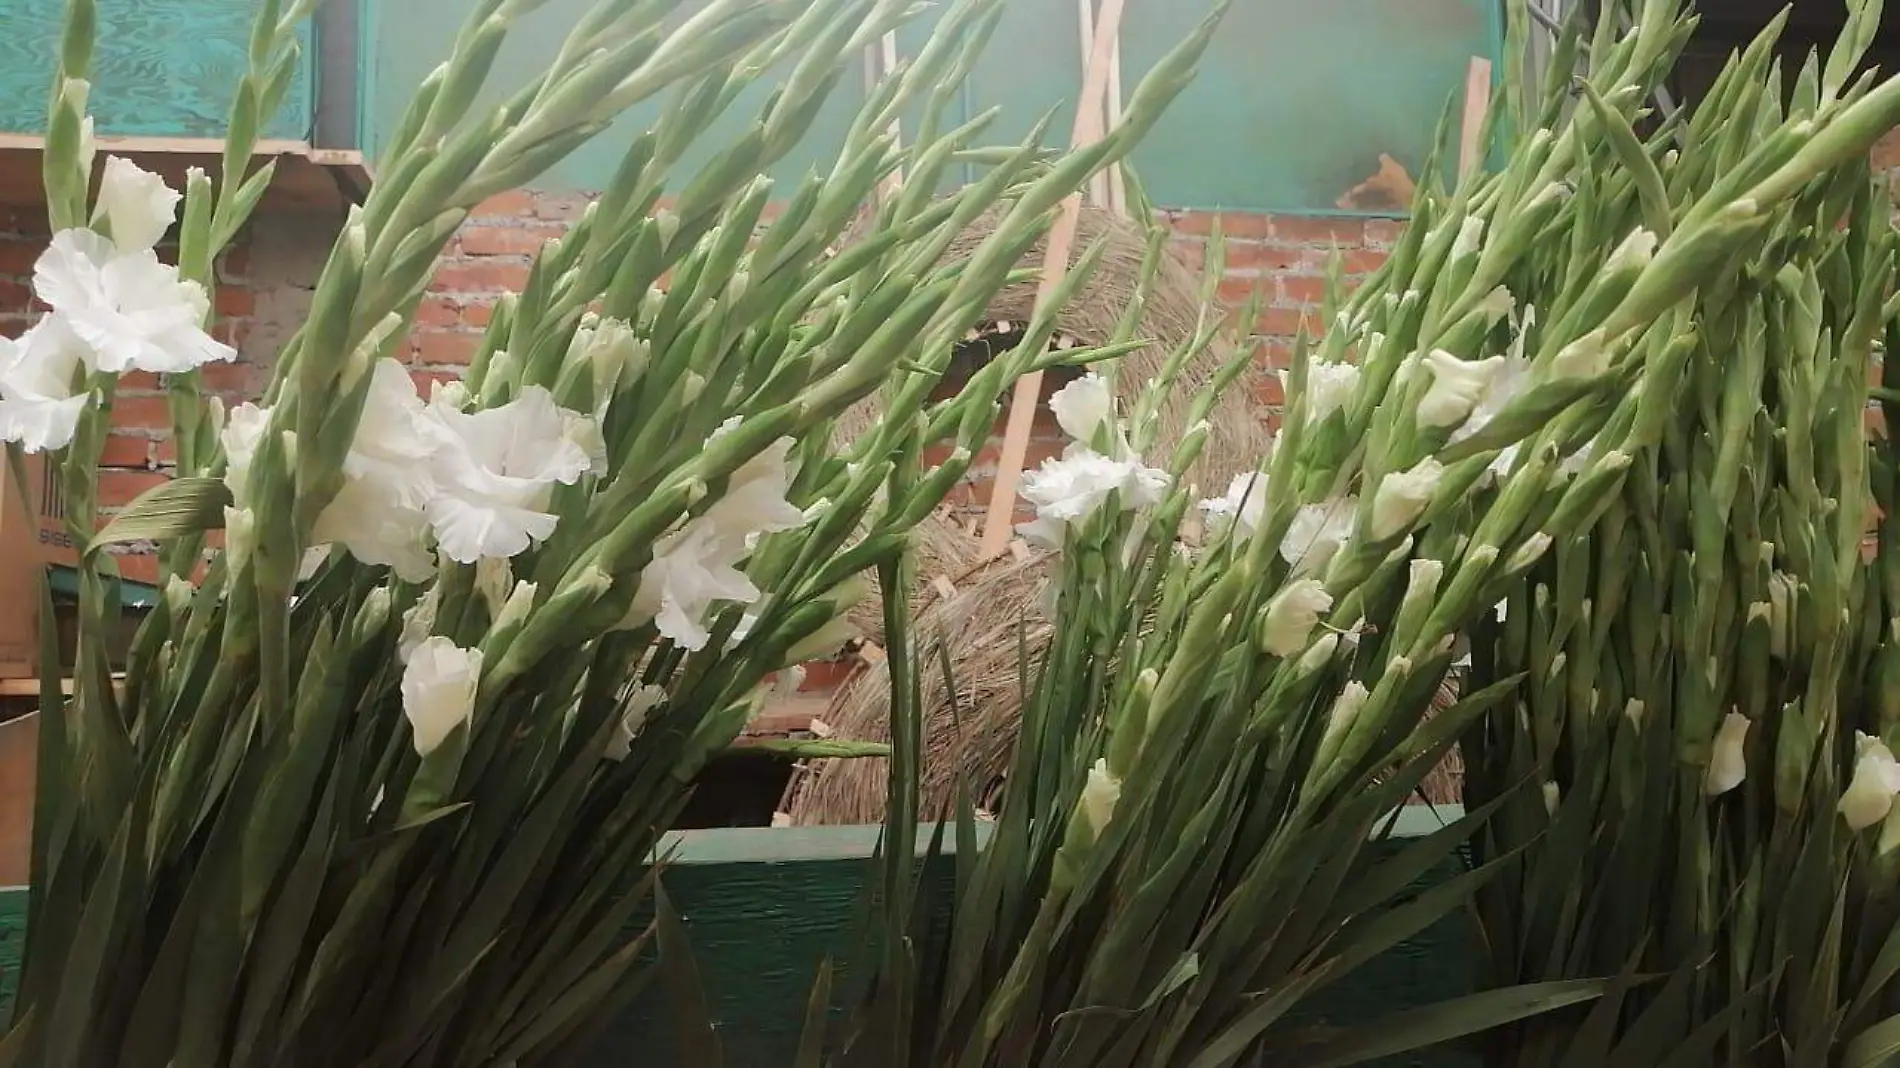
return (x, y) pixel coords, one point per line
(1586, 357)
(377, 528)
(1553, 794)
(1403, 496)
(243, 432)
(1781, 598)
(1728, 764)
(691, 572)
(1329, 386)
(1470, 238)
(134, 312)
(418, 623)
(1083, 406)
(1068, 490)
(438, 691)
(1099, 796)
(1497, 305)
(1244, 503)
(135, 204)
(1457, 387)
(1317, 533)
(494, 582)
(640, 704)
(494, 472)
(37, 406)
(755, 497)
(1352, 697)
(1293, 614)
(1634, 253)
(1869, 797)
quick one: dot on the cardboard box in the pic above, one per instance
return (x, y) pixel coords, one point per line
(19, 744)
(25, 549)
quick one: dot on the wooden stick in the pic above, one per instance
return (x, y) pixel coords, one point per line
(997, 527)
(1477, 105)
(1117, 184)
(880, 60)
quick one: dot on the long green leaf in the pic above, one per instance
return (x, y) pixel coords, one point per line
(177, 508)
(1445, 1021)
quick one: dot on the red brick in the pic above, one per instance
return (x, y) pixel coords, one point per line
(165, 452)
(18, 255)
(1237, 290)
(1384, 232)
(1274, 355)
(1269, 392)
(481, 278)
(15, 295)
(1303, 288)
(559, 209)
(435, 348)
(1241, 225)
(436, 312)
(477, 313)
(1286, 322)
(1303, 229)
(1363, 261)
(236, 301)
(138, 567)
(237, 378)
(235, 262)
(511, 204)
(139, 382)
(231, 331)
(123, 451)
(1254, 256)
(503, 241)
(141, 413)
(118, 488)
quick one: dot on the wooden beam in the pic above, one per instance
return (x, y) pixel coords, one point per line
(1477, 106)
(997, 527)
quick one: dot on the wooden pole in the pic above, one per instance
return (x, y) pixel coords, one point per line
(997, 526)
(1477, 105)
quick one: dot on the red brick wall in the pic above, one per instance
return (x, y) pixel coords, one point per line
(1283, 257)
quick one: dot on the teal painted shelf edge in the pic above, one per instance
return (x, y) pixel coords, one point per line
(763, 908)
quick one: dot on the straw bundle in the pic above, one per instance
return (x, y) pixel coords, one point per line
(991, 618)
(1237, 437)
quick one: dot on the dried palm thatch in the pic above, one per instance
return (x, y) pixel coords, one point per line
(1171, 312)
(990, 618)
(969, 735)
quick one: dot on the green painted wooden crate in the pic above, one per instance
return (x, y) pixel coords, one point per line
(765, 907)
(163, 68)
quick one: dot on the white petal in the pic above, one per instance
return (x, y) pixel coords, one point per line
(1402, 497)
(243, 431)
(1292, 615)
(1869, 797)
(1728, 763)
(438, 690)
(1082, 407)
(1457, 387)
(1317, 533)
(377, 529)
(1100, 794)
(136, 204)
(469, 530)
(690, 574)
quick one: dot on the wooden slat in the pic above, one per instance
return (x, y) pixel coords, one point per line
(997, 527)
(1477, 106)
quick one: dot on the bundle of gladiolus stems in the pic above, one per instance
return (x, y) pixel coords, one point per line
(1184, 854)
(1713, 666)
(382, 781)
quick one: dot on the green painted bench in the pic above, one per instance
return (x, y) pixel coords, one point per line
(765, 906)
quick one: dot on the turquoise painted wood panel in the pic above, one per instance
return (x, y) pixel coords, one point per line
(765, 907)
(403, 45)
(1295, 104)
(163, 68)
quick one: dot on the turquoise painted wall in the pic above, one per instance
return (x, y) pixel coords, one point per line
(1296, 100)
(163, 68)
